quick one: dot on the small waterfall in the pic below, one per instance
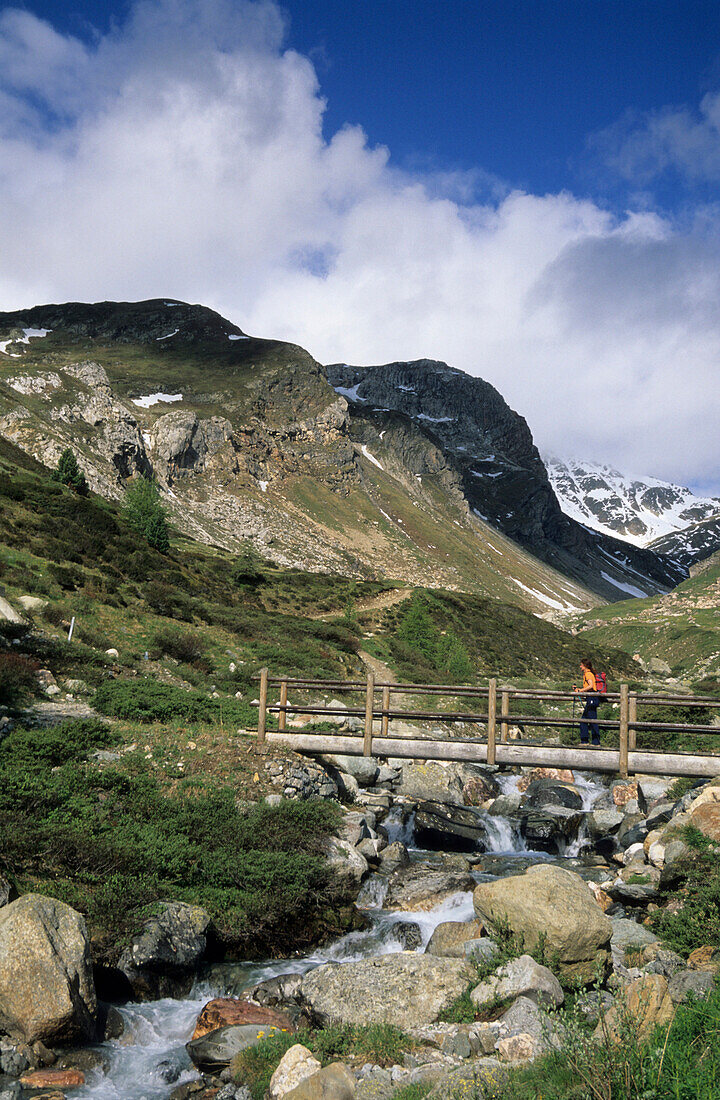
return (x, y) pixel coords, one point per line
(400, 825)
(502, 835)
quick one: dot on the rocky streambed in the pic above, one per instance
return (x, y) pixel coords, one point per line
(444, 858)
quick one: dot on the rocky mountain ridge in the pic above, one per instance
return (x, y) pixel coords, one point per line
(643, 511)
(249, 440)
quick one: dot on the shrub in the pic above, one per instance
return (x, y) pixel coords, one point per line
(246, 570)
(145, 513)
(18, 679)
(698, 922)
(185, 646)
(69, 473)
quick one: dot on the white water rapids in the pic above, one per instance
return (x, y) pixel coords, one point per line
(149, 1060)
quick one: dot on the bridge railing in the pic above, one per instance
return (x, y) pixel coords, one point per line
(496, 716)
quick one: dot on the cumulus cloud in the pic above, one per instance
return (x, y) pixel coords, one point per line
(183, 154)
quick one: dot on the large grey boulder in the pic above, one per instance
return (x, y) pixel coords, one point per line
(549, 827)
(406, 987)
(549, 792)
(699, 983)
(362, 768)
(522, 977)
(334, 1082)
(165, 953)
(47, 992)
(554, 904)
(347, 864)
(449, 825)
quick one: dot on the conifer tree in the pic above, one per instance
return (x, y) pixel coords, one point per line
(145, 513)
(69, 473)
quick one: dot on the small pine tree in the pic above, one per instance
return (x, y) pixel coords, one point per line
(247, 567)
(69, 473)
(145, 513)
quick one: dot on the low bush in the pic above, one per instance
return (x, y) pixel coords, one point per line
(18, 679)
(698, 883)
(145, 700)
(185, 646)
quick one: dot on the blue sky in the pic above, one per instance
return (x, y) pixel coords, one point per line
(526, 190)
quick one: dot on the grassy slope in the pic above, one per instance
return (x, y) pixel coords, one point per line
(682, 627)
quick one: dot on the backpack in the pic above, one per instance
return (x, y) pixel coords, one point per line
(601, 683)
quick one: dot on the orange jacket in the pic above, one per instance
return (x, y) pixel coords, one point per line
(589, 681)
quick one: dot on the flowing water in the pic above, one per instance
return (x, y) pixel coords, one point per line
(150, 1058)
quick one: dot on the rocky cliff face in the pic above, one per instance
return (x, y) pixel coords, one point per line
(640, 510)
(489, 452)
(413, 471)
(693, 545)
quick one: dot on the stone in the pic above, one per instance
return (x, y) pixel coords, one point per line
(77, 687)
(647, 1000)
(47, 990)
(624, 792)
(112, 653)
(480, 950)
(362, 768)
(517, 1048)
(346, 863)
(450, 937)
(649, 789)
(505, 805)
(706, 818)
(370, 849)
(7, 892)
(483, 1077)
(226, 1011)
(561, 775)
(168, 948)
(604, 822)
(32, 603)
(659, 666)
(334, 1082)
(53, 1079)
(547, 827)
(408, 987)
(521, 977)
(219, 1047)
(295, 1066)
(706, 958)
(393, 857)
(627, 933)
(417, 887)
(553, 903)
(408, 933)
(593, 1004)
(449, 825)
(683, 983)
(549, 792)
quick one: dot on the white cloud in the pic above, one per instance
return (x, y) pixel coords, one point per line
(182, 156)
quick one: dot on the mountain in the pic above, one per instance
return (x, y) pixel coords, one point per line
(491, 451)
(642, 511)
(250, 441)
(693, 545)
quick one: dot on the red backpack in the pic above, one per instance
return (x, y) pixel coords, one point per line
(601, 683)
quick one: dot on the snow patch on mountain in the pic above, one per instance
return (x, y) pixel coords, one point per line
(639, 510)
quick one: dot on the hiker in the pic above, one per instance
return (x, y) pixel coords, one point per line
(590, 690)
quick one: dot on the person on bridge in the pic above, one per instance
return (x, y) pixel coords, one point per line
(589, 715)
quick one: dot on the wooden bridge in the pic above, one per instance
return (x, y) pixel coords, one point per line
(495, 746)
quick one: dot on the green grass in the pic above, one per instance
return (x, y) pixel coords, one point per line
(698, 886)
(382, 1044)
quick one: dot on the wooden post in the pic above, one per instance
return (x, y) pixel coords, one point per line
(282, 716)
(385, 708)
(624, 718)
(369, 703)
(491, 722)
(262, 709)
(504, 715)
(632, 719)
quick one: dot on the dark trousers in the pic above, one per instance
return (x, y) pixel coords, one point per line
(591, 726)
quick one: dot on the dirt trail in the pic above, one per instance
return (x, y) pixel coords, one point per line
(375, 603)
(384, 674)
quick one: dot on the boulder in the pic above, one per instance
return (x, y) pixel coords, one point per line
(627, 933)
(409, 988)
(553, 903)
(164, 955)
(334, 1082)
(706, 957)
(561, 775)
(480, 950)
(393, 857)
(7, 892)
(416, 887)
(347, 864)
(484, 1077)
(647, 1000)
(522, 977)
(548, 828)
(549, 792)
(521, 1047)
(604, 822)
(53, 1079)
(447, 825)
(408, 933)
(699, 983)
(32, 603)
(230, 1011)
(219, 1047)
(47, 990)
(706, 818)
(362, 768)
(431, 782)
(450, 937)
(295, 1066)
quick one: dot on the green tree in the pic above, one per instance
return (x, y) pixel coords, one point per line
(145, 512)
(247, 567)
(69, 473)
